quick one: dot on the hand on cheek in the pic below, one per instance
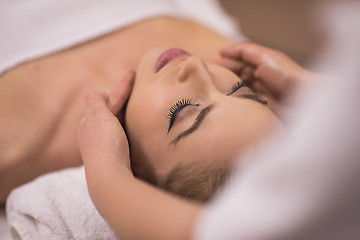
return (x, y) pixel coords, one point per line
(101, 138)
(244, 70)
(268, 72)
(119, 197)
(120, 94)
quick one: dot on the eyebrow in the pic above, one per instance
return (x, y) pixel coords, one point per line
(200, 117)
(254, 97)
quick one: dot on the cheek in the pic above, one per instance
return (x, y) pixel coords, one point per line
(146, 67)
(143, 121)
(241, 133)
(258, 126)
(146, 127)
(246, 127)
(223, 79)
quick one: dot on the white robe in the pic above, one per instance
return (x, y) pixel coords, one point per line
(305, 185)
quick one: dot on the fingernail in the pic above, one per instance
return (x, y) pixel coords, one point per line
(82, 120)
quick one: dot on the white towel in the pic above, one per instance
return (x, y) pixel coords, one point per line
(32, 29)
(56, 206)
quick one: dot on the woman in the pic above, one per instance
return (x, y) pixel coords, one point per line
(41, 99)
(38, 128)
(199, 118)
(105, 151)
(306, 186)
(65, 193)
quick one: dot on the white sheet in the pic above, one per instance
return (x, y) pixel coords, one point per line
(31, 29)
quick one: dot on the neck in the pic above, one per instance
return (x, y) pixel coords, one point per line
(46, 94)
(126, 47)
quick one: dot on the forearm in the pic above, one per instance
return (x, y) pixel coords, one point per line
(136, 210)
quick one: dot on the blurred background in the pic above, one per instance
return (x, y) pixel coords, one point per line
(281, 24)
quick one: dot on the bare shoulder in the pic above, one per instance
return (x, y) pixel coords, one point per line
(39, 107)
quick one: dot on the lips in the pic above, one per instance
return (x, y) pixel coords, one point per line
(169, 56)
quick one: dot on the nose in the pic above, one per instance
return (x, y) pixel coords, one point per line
(194, 71)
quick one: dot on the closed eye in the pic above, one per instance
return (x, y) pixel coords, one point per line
(236, 87)
(176, 109)
(180, 106)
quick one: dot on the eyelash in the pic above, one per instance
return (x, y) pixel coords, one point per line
(236, 86)
(186, 102)
(177, 106)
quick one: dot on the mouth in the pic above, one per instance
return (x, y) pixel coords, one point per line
(169, 56)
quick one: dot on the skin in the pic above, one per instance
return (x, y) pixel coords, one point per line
(233, 123)
(269, 73)
(118, 202)
(116, 193)
(41, 100)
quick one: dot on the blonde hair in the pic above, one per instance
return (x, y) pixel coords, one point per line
(196, 180)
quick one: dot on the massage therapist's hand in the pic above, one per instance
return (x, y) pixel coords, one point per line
(132, 208)
(268, 72)
(101, 138)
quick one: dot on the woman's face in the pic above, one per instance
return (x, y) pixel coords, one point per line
(184, 109)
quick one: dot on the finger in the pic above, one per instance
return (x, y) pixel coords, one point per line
(233, 65)
(96, 128)
(247, 74)
(235, 51)
(120, 94)
(249, 52)
(95, 102)
(95, 109)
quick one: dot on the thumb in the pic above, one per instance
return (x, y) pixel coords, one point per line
(121, 93)
(250, 53)
(95, 102)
